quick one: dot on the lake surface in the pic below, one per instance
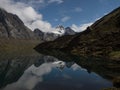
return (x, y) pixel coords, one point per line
(48, 73)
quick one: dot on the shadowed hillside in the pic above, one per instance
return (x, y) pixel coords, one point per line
(100, 39)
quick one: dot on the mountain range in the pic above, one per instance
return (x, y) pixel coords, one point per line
(102, 39)
(12, 27)
(50, 36)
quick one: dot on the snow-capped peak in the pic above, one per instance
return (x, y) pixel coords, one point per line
(60, 29)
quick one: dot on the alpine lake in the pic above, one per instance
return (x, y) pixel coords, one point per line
(56, 70)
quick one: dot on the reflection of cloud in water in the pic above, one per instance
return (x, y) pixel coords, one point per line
(77, 67)
(34, 75)
(31, 77)
(73, 77)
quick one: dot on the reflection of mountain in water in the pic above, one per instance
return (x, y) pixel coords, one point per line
(49, 59)
(46, 70)
(108, 69)
(12, 68)
(29, 71)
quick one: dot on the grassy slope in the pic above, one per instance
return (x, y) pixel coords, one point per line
(102, 38)
(14, 47)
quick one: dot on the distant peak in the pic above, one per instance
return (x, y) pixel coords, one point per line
(60, 27)
(67, 28)
(1, 9)
(37, 29)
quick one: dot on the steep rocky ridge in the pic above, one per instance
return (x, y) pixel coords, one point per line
(12, 27)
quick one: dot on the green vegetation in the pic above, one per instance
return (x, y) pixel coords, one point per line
(115, 54)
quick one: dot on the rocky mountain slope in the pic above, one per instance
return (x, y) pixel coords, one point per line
(45, 36)
(14, 35)
(38, 33)
(69, 31)
(100, 39)
(12, 27)
(50, 36)
(64, 31)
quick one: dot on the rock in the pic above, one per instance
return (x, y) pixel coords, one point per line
(12, 27)
(69, 31)
(39, 34)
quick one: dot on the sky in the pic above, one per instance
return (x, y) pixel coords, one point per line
(47, 14)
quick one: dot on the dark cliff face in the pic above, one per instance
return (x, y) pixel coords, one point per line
(100, 39)
(69, 31)
(12, 27)
(45, 36)
(39, 34)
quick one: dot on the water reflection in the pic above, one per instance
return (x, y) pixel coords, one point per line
(11, 68)
(50, 73)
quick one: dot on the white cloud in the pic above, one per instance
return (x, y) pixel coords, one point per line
(81, 27)
(66, 18)
(32, 18)
(27, 14)
(58, 1)
(31, 77)
(34, 75)
(43, 25)
(30, 14)
(78, 9)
